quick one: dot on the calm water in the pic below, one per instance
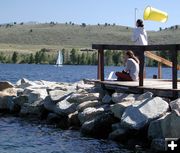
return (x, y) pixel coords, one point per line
(67, 73)
(20, 136)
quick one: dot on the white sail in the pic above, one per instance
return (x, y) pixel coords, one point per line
(59, 61)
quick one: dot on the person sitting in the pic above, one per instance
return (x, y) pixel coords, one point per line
(131, 72)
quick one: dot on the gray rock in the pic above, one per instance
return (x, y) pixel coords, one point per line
(49, 104)
(107, 99)
(5, 85)
(64, 108)
(141, 113)
(4, 99)
(144, 96)
(116, 126)
(53, 118)
(34, 108)
(73, 119)
(165, 127)
(6, 103)
(82, 85)
(175, 106)
(20, 100)
(35, 94)
(23, 83)
(9, 91)
(89, 113)
(58, 120)
(119, 97)
(58, 95)
(87, 104)
(98, 127)
(119, 108)
(119, 134)
(82, 97)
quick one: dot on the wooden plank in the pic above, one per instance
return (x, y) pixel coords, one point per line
(160, 59)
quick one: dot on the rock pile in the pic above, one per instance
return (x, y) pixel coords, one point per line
(128, 118)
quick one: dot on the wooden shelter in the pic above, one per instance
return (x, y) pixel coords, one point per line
(169, 86)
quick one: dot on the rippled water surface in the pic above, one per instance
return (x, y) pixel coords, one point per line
(21, 136)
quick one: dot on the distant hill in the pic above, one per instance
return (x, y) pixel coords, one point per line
(33, 37)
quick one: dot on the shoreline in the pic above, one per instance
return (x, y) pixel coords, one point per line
(135, 121)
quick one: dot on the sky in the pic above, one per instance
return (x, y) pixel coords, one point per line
(120, 12)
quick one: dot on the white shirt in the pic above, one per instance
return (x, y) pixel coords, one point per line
(133, 68)
(139, 36)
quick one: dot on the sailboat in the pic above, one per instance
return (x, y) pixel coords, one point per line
(59, 60)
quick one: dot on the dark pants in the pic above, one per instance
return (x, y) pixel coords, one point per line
(121, 76)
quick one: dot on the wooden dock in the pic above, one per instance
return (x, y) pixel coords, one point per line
(167, 88)
(159, 87)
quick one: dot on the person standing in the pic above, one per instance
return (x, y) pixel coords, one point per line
(139, 36)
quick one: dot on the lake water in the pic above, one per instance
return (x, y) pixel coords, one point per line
(67, 73)
(21, 136)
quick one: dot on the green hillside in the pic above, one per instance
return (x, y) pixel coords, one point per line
(23, 38)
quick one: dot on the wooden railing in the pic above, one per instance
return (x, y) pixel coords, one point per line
(160, 61)
(173, 48)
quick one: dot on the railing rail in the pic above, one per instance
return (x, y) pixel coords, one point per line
(160, 61)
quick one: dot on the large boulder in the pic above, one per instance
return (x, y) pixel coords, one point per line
(119, 108)
(64, 108)
(107, 99)
(119, 135)
(20, 100)
(73, 119)
(58, 95)
(82, 85)
(49, 104)
(141, 113)
(58, 120)
(90, 113)
(87, 104)
(82, 97)
(4, 102)
(119, 97)
(35, 94)
(61, 108)
(10, 91)
(165, 127)
(34, 108)
(175, 106)
(24, 83)
(144, 96)
(5, 84)
(100, 126)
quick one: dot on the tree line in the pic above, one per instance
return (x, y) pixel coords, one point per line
(74, 57)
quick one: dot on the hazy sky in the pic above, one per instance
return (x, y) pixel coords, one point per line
(121, 12)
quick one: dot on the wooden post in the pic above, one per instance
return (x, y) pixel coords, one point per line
(174, 73)
(101, 64)
(159, 70)
(141, 67)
